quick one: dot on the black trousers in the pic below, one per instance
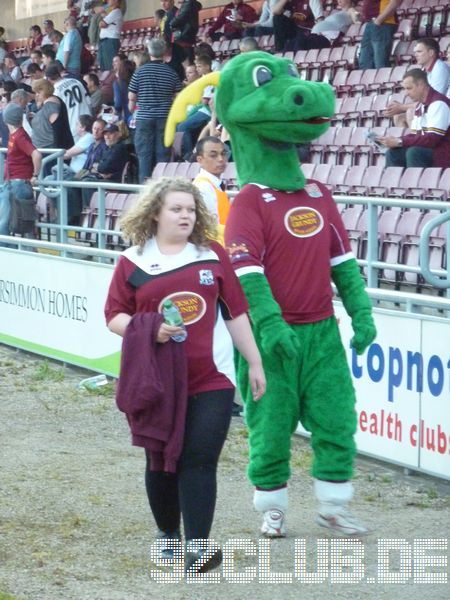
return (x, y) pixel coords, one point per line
(191, 491)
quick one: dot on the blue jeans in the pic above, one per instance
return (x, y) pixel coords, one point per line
(149, 145)
(191, 128)
(376, 46)
(415, 156)
(108, 48)
(21, 188)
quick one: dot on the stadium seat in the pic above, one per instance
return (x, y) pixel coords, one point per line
(389, 179)
(409, 180)
(442, 191)
(391, 245)
(308, 170)
(336, 176)
(158, 171)
(354, 177)
(322, 172)
(429, 180)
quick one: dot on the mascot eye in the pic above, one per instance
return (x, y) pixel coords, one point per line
(261, 75)
(292, 70)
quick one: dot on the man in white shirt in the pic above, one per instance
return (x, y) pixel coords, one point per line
(72, 93)
(212, 155)
(427, 53)
(110, 27)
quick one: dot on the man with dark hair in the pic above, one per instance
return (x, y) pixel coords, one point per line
(234, 17)
(293, 21)
(95, 94)
(152, 88)
(72, 93)
(48, 54)
(428, 144)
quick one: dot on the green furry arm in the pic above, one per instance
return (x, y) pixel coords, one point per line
(272, 332)
(356, 302)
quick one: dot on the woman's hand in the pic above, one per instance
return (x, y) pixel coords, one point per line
(167, 331)
(257, 380)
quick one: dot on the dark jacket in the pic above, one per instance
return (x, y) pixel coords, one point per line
(185, 24)
(61, 129)
(152, 390)
(113, 161)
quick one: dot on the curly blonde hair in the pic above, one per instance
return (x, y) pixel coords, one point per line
(138, 225)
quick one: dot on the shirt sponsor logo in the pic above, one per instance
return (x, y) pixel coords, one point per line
(303, 221)
(206, 277)
(191, 306)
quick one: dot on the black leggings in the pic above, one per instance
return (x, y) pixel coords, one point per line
(191, 491)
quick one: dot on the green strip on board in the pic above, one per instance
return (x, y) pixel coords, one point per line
(104, 364)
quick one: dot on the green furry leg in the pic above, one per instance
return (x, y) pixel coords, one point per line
(315, 388)
(271, 422)
(327, 401)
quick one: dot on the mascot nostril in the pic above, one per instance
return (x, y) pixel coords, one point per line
(298, 99)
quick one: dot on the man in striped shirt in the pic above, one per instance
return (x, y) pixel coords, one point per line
(428, 144)
(152, 89)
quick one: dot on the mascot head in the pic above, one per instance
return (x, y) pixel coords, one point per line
(267, 109)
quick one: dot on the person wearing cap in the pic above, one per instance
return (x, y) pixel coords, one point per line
(111, 165)
(48, 27)
(22, 166)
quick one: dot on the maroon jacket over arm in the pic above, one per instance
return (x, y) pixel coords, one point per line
(152, 390)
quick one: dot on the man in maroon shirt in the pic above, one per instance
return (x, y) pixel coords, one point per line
(23, 163)
(234, 18)
(293, 20)
(428, 144)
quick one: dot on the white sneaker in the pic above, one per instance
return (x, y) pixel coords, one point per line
(342, 523)
(273, 524)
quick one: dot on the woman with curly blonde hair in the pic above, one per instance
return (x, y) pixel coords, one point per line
(173, 258)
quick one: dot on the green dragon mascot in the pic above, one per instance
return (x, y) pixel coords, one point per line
(287, 242)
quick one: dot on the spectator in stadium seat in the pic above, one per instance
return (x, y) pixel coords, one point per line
(427, 53)
(95, 94)
(49, 28)
(428, 144)
(35, 38)
(23, 164)
(339, 20)
(264, 25)
(152, 88)
(69, 50)
(191, 74)
(381, 24)
(234, 17)
(205, 48)
(123, 70)
(110, 27)
(48, 55)
(292, 24)
(11, 70)
(248, 44)
(200, 114)
(111, 164)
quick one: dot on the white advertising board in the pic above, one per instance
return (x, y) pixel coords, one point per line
(55, 307)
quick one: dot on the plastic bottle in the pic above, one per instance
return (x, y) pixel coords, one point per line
(92, 383)
(172, 316)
